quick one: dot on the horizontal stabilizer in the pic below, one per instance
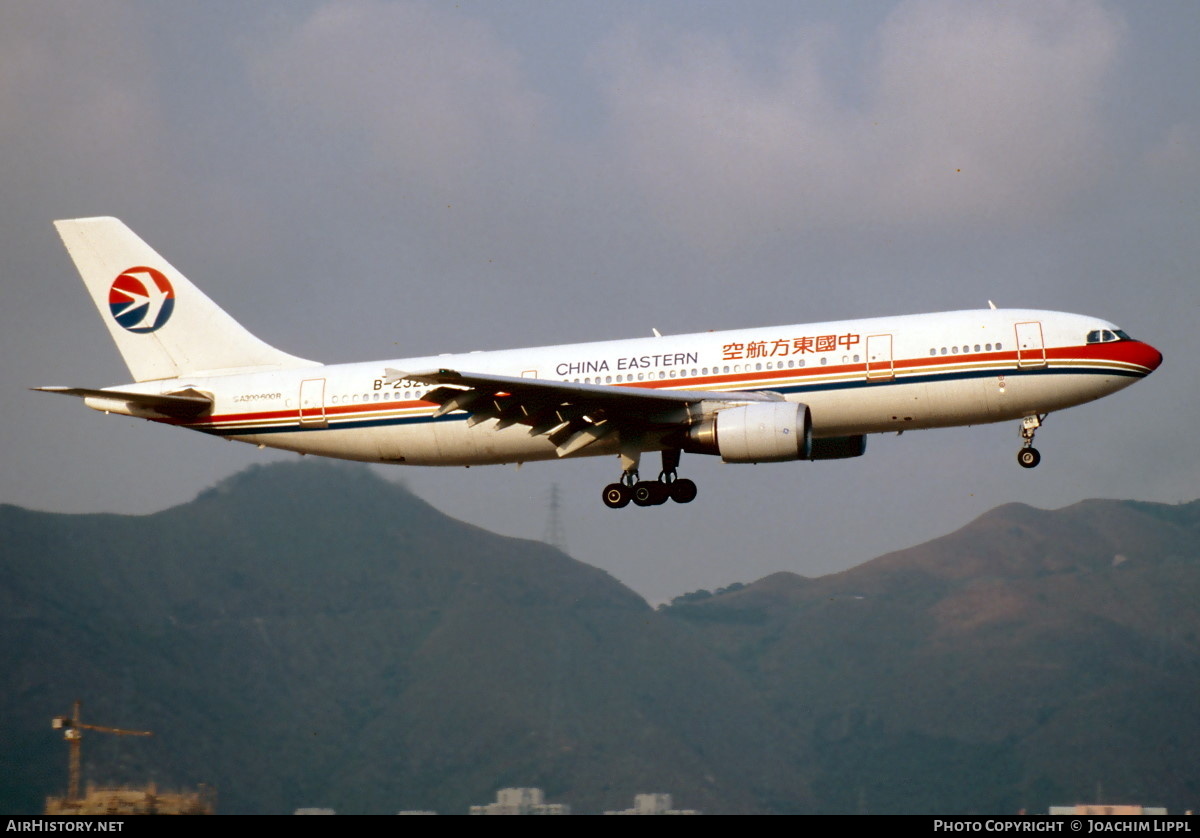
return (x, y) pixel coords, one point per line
(184, 404)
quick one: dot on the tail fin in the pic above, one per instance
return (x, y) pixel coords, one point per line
(164, 326)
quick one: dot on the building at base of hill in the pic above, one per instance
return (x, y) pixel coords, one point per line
(653, 804)
(135, 801)
(521, 802)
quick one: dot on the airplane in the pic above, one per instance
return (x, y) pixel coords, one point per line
(776, 394)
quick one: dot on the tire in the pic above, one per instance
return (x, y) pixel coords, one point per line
(683, 490)
(1028, 457)
(660, 493)
(616, 496)
(643, 492)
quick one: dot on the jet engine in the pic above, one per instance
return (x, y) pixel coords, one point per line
(763, 432)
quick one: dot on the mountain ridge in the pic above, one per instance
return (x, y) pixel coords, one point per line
(311, 634)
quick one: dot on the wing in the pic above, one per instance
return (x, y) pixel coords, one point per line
(572, 416)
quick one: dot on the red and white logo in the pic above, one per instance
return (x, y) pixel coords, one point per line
(141, 299)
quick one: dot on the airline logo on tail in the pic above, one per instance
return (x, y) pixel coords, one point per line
(141, 299)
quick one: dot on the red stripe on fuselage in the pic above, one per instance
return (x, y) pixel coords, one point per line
(1121, 352)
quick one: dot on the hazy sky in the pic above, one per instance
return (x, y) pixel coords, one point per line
(366, 179)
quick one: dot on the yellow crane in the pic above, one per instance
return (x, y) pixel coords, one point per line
(72, 729)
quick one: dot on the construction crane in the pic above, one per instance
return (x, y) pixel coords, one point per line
(72, 729)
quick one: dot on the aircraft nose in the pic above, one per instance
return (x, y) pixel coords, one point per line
(1147, 356)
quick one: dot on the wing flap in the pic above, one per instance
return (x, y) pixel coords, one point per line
(571, 415)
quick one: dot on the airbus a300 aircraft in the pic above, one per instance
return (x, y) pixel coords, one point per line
(804, 392)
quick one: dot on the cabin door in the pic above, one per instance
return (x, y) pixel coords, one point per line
(1031, 349)
(879, 358)
(312, 402)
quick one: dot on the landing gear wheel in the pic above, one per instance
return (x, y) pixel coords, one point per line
(617, 495)
(650, 493)
(682, 490)
(1028, 456)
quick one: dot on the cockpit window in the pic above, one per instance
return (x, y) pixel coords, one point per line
(1106, 336)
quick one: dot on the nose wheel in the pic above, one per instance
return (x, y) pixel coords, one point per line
(668, 486)
(1029, 456)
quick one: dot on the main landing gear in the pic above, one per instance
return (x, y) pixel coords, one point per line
(1028, 456)
(668, 486)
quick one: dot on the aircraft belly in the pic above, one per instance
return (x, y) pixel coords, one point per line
(897, 406)
(871, 408)
(1023, 395)
(454, 443)
(339, 444)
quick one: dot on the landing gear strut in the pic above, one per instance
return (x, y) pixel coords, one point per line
(1028, 456)
(668, 486)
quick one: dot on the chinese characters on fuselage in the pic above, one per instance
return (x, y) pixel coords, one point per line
(785, 346)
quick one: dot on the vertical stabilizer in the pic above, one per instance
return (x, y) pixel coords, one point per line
(164, 326)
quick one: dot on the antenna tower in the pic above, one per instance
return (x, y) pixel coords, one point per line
(554, 534)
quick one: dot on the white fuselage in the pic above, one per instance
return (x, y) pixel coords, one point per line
(856, 376)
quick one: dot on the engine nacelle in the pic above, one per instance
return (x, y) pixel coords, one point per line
(763, 432)
(838, 447)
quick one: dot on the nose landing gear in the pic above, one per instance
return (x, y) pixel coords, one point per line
(1028, 456)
